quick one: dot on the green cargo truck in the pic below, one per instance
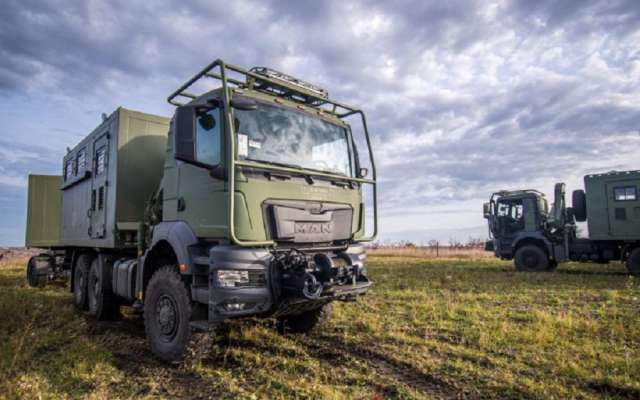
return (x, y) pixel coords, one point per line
(523, 227)
(249, 202)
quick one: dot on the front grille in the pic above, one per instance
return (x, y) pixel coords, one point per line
(307, 222)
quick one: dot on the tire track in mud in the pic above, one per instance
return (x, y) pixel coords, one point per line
(331, 349)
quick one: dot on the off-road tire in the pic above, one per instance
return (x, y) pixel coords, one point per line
(306, 321)
(167, 311)
(101, 301)
(80, 278)
(531, 258)
(33, 279)
(633, 262)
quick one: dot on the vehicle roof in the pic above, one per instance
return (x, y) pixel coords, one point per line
(613, 174)
(516, 194)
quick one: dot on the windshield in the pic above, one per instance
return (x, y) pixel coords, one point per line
(279, 135)
(510, 208)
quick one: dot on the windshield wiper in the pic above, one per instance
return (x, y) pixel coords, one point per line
(307, 176)
(280, 164)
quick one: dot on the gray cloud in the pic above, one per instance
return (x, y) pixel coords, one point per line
(462, 97)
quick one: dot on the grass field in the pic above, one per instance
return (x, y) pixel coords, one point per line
(430, 328)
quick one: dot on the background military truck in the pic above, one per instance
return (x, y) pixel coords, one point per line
(249, 202)
(523, 228)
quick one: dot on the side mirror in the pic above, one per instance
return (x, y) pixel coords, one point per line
(363, 173)
(486, 210)
(185, 133)
(243, 103)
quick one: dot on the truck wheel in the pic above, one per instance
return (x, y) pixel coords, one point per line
(101, 301)
(33, 278)
(633, 262)
(167, 311)
(80, 277)
(531, 258)
(305, 322)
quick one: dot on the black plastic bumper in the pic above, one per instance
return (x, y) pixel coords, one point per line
(489, 246)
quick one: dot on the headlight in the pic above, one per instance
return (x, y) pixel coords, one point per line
(228, 278)
(232, 278)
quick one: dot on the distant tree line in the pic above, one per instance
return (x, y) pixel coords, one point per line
(452, 243)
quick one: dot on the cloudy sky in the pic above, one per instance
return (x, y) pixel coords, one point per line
(462, 97)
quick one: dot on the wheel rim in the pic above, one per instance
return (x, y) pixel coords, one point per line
(531, 259)
(167, 317)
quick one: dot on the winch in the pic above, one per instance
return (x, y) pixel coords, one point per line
(311, 276)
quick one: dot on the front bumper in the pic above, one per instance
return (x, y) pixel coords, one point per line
(489, 246)
(265, 300)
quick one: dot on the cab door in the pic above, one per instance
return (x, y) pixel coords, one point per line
(202, 199)
(99, 187)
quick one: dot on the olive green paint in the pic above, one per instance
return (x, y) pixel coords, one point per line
(43, 211)
(608, 218)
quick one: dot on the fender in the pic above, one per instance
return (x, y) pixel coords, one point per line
(537, 236)
(179, 236)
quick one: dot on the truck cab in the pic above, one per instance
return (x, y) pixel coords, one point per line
(513, 216)
(263, 194)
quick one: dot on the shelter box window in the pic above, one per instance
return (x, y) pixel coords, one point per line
(626, 193)
(68, 169)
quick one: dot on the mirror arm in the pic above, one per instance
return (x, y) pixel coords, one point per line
(219, 172)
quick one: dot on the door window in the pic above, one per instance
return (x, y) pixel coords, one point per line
(510, 215)
(208, 137)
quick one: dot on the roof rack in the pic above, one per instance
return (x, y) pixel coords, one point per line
(265, 80)
(518, 192)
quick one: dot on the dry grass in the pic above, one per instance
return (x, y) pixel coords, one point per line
(431, 252)
(430, 328)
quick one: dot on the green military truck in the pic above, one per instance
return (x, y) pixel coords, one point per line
(537, 237)
(249, 202)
